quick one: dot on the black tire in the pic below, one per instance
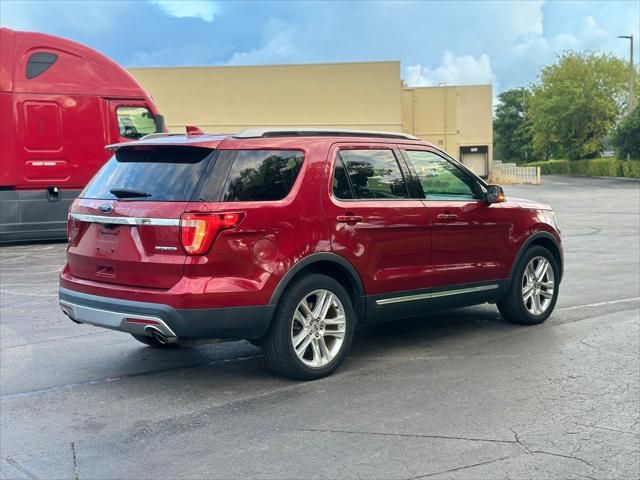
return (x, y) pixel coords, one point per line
(277, 344)
(512, 306)
(153, 343)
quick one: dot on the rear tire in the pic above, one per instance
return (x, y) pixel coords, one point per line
(153, 343)
(312, 328)
(533, 292)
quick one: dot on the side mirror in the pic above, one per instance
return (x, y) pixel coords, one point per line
(160, 124)
(494, 194)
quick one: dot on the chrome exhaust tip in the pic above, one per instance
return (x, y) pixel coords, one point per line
(159, 336)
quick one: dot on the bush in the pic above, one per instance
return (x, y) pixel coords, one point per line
(597, 167)
(626, 138)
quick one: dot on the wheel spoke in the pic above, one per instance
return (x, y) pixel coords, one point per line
(297, 340)
(542, 269)
(324, 350)
(547, 285)
(304, 306)
(530, 272)
(334, 333)
(299, 316)
(537, 307)
(317, 356)
(317, 308)
(303, 347)
(337, 320)
(328, 301)
(546, 294)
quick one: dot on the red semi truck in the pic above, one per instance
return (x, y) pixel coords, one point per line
(60, 104)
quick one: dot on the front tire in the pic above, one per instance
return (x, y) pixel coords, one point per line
(533, 291)
(312, 328)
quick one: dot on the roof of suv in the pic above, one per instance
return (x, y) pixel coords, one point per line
(207, 140)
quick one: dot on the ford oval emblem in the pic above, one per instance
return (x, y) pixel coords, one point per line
(106, 208)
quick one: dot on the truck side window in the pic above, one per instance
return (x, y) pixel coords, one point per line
(39, 63)
(135, 122)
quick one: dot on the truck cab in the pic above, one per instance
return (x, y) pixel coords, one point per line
(60, 104)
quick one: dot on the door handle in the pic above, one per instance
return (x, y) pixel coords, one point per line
(350, 219)
(447, 217)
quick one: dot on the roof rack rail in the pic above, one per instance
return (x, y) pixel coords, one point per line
(159, 135)
(318, 132)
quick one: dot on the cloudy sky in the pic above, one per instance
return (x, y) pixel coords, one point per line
(465, 42)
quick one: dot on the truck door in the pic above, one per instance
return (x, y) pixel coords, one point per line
(130, 120)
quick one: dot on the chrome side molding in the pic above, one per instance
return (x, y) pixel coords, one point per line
(428, 296)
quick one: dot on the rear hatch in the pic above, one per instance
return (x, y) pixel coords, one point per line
(125, 226)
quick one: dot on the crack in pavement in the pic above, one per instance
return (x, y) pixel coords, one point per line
(20, 468)
(544, 452)
(76, 470)
(463, 467)
(407, 435)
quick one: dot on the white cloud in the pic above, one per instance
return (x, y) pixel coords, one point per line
(453, 70)
(278, 46)
(203, 9)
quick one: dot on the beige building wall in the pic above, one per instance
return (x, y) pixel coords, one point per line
(227, 99)
(366, 95)
(450, 116)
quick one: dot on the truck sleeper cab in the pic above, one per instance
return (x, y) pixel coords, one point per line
(60, 104)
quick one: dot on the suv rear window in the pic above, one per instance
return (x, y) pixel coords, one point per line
(168, 174)
(261, 175)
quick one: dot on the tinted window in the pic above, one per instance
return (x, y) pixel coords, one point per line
(135, 122)
(160, 174)
(374, 174)
(39, 63)
(341, 184)
(440, 178)
(262, 175)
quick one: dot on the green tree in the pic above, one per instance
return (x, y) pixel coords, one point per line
(512, 137)
(626, 138)
(577, 101)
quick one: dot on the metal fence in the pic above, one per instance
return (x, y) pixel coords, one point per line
(511, 173)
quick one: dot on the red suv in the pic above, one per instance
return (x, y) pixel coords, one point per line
(292, 239)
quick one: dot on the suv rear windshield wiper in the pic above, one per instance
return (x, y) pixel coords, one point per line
(128, 193)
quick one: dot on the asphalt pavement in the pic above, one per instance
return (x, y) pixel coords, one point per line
(456, 395)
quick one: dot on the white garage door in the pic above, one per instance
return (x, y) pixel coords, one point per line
(476, 162)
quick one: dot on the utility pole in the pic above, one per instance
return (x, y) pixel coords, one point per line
(632, 99)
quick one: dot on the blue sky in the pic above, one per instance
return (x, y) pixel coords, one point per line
(466, 42)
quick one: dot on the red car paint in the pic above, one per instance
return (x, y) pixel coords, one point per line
(54, 127)
(393, 245)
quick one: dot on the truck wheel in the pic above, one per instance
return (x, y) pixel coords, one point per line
(312, 328)
(533, 291)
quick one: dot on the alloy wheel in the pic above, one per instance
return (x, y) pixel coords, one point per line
(538, 285)
(318, 328)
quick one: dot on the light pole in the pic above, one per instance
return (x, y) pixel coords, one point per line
(632, 98)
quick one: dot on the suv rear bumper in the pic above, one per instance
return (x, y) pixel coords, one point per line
(142, 318)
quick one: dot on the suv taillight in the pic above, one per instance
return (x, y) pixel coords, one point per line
(73, 229)
(199, 230)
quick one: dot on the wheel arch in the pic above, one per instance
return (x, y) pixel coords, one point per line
(332, 265)
(546, 240)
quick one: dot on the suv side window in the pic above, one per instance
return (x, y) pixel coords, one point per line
(367, 174)
(262, 175)
(441, 179)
